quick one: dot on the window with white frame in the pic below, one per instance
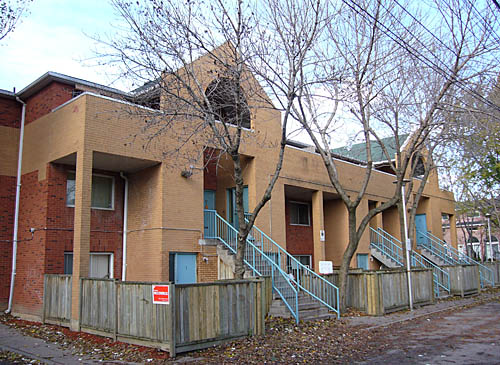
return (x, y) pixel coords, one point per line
(103, 187)
(100, 264)
(299, 214)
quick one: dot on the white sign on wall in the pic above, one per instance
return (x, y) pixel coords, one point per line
(326, 267)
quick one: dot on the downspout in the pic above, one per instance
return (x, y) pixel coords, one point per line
(125, 228)
(16, 211)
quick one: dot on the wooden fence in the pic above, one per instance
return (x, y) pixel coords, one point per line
(57, 299)
(464, 279)
(384, 291)
(495, 268)
(197, 316)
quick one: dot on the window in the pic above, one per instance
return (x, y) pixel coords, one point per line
(299, 214)
(228, 102)
(100, 265)
(418, 166)
(102, 191)
(303, 259)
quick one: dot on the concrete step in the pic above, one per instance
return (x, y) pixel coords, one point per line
(431, 257)
(386, 260)
(309, 309)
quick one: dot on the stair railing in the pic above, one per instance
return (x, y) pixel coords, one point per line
(385, 243)
(452, 256)
(260, 264)
(306, 279)
(392, 248)
(441, 277)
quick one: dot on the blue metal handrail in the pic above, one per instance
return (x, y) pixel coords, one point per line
(441, 277)
(452, 256)
(385, 243)
(307, 280)
(285, 286)
(392, 247)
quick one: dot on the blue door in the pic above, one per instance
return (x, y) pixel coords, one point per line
(232, 214)
(362, 259)
(209, 203)
(421, 227)
(185, 268)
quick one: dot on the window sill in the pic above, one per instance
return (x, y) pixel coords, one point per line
(95, 208)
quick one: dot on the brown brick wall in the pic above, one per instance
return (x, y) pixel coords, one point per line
(7, 203)
(299, 239)
(207, 270)
(10, 113)
(44, 101)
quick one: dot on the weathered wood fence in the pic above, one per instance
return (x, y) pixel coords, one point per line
(495, 268)
(57, 299)
(384, 291)
(464, 279)
(197, 316)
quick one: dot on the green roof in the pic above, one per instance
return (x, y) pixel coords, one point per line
(358, 150)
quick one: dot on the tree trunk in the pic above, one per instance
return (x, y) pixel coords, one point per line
(346, 260)
(239, 266)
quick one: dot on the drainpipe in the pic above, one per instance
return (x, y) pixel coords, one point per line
(16, 211)
(125, 214)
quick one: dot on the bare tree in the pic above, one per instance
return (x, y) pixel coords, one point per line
(177, 48)
(391, 73)
(10, 13)
(473, 157)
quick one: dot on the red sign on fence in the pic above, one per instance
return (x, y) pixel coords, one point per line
(160, 294)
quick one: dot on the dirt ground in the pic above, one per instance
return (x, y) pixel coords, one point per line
(450, 332)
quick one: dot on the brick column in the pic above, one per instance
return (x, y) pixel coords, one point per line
(81, 238)
(318, 225)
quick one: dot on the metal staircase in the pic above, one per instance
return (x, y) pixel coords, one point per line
(388, 247)
(438, 251)
(264, 257)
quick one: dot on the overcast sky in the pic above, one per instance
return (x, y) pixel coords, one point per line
(51, 37)
(54, 36)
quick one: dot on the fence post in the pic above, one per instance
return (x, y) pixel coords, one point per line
(115, 330)
(173, 317)
(80, 306)
(263, 305)
(44, 307)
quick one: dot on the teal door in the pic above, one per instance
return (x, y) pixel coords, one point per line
(421, 227)
(185, 268)
(209, 221)
(362, 259)
(232, 214)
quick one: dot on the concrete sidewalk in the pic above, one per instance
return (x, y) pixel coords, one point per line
(14, 341)
(440, 306)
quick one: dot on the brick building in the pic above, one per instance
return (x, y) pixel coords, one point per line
(84, 156)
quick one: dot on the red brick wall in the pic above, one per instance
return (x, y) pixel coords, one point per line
(45, 100)
(10, 113)
(28, 293)
(7, 203)
(299, 239)
(106, 225)
(43, 206)
(210, 170)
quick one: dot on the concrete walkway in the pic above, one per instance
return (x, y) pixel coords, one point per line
(443, 305)
(35, 348)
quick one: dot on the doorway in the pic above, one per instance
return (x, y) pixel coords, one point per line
(421, 227)
(182, 268)
(232, 214)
